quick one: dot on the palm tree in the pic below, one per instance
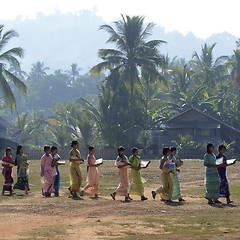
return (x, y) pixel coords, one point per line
(38, 70)
(131, 53)
(194, 97)
(62, 112)
(208, 69)
(111, 116)
(8, 57)
(73, 72)
(17, 71)
(83, 127)
(77, 123)
(238, 43)
(36, 128)
(181, 78)
(22, 122)
(151, 75)
(234, 66)
(60, 135)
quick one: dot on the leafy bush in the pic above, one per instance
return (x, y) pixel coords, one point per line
(230, 148)
(185, 142)
(144, 142)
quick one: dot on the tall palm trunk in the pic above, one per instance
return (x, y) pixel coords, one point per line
(73, 78)
(132, 102)
(132, 112)
(147, 97)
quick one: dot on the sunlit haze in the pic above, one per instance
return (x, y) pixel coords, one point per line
(203, 18)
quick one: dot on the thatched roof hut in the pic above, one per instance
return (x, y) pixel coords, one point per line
(201, 127)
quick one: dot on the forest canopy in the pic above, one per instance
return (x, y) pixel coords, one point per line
(134, 87)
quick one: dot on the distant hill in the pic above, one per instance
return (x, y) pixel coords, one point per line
(60, 40)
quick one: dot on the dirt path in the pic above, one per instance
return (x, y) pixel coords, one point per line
(35, 217)
(89, 218)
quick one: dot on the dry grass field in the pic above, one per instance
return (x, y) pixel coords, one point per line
(35, 217)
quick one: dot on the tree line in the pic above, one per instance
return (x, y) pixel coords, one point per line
(134, 87)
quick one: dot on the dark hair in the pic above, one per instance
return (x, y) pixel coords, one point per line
(221, 147)
(19, 147)
(8, 149)
(53, 148)
(46, 147)
(165, 150)
(134, 149)
(209, 145)
(90, 148)
(74, 143)
(120, 149)
(172, 149)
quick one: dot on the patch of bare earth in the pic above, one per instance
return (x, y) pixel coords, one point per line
(89, 218)
(35, 217)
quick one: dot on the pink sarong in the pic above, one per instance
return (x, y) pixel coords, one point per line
(47, 171)
(92, 176)
(123, 187)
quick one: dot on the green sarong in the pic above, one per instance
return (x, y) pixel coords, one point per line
(137, 180)
(212, 180)
(176, 187)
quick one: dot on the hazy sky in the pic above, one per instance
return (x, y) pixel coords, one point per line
(202, 17)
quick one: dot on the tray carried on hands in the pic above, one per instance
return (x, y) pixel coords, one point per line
(231, 161)
(219, 161)
(99, 161)
(61, 162)
(145, 164)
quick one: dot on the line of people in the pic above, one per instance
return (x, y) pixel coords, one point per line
(215, 175)
(50, 175)
(169, 165)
